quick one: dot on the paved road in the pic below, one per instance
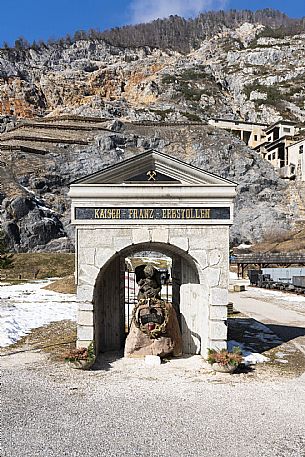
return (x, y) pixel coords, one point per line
(51, 411)
(123, 409)
(283, 313)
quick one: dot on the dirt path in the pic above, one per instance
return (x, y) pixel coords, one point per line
(179, 409)
(284, 314)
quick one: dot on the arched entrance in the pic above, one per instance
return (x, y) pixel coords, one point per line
(109, 297)
(153, 202)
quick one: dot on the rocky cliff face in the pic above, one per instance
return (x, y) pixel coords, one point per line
(35, 208)
(235, 73)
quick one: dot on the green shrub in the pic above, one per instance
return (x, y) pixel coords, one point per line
(191, 116)
(189, 92)
(168, 79)
(273, 94)
(191, 74)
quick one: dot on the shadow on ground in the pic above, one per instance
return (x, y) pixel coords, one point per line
(105, 360)
(287, 333)
(259, 337)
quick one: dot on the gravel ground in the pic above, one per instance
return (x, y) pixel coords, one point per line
(126, 409)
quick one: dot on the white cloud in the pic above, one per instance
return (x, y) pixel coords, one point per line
(147, 10)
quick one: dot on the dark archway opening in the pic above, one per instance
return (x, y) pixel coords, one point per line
(115, 289)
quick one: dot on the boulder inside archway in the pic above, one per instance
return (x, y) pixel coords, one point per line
(112, 305)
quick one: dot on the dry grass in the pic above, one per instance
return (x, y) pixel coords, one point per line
(290, 242)
(55, 339)
(277, 236)
(40, 265)
(64, 285)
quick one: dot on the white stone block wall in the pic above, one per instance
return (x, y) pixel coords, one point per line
(85, 332)
(208, 246)
(194, 308)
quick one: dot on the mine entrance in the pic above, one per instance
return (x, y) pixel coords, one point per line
(116, 290)
(134, 265)
(157, 203)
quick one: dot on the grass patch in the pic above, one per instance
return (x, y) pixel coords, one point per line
(191, 117)
(289, 242)
(64, 285)
(273, 94)
(39, 265)
(55, 339)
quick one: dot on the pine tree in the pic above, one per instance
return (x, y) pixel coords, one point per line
(21, 43)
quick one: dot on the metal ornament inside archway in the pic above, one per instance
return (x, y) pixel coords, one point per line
(151, 316)
(154, 327)
(153, 202)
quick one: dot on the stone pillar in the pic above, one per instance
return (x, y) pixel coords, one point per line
(218, 318)
(194, 307)
(85, 332)
(176, 283)
(218, 275)
(86, 275)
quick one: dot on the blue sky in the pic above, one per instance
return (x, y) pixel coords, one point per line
(42, 19)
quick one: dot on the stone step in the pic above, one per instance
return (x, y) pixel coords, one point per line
(42, 139)
(63, 126)
(73, 118)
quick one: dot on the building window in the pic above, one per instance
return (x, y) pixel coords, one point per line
(301, 149)
(269, 138)
(273, 156)
(255, 137)
(286, 129)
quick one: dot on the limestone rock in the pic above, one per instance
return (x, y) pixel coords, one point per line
(236, 73)
(20, 207)
(63, 244)
(145, 83)
(35, 189)
(30, 226)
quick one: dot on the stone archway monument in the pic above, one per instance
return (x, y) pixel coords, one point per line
(153, 202)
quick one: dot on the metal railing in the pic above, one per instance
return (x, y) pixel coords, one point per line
(268, 258)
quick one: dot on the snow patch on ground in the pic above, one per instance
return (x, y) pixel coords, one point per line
(243, 246)
(27, 306)
(285, 296)
(249, 357)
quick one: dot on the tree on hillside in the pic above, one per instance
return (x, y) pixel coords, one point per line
(5, 258)
(21, 43)
(178, 33)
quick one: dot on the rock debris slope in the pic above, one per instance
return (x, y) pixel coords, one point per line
(36, 173)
